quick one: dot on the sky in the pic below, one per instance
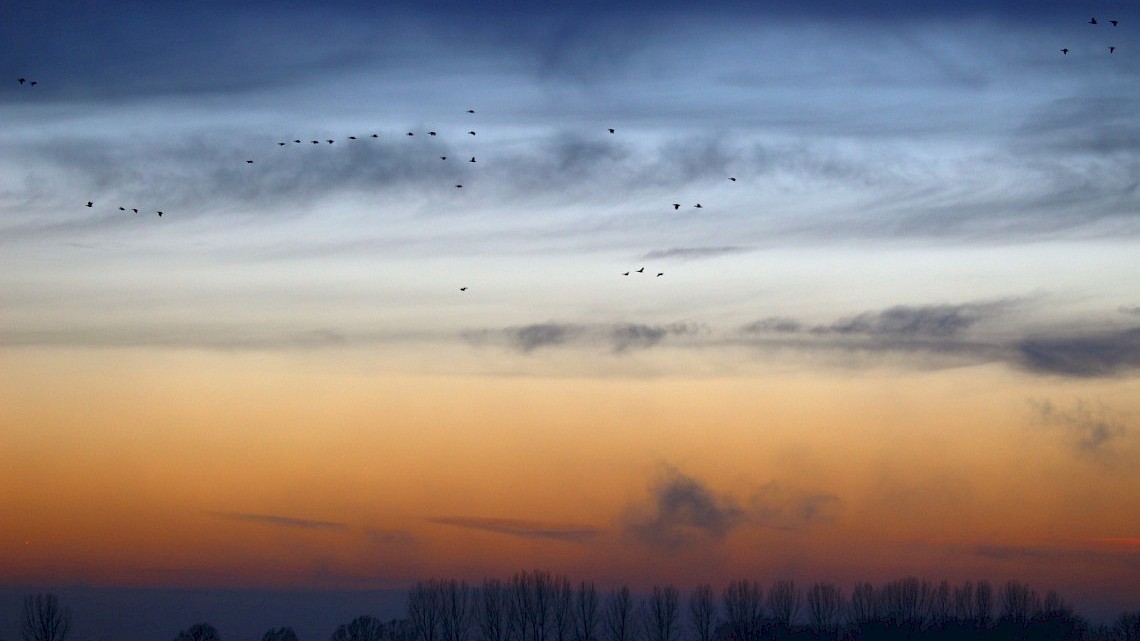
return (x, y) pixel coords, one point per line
(900, 334)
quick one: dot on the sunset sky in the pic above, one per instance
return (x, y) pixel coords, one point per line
(904, 340)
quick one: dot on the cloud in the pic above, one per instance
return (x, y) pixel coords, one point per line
(1084, 356)
(1052, 555)
(1131, 311)
(280, 521)
(774, 324)
(694, 252)
(389, 537)
(524, 529)
(682, 510)
(619, 337)
(1093, 430)
(902, 321)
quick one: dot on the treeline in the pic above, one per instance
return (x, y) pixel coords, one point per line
(543, 606)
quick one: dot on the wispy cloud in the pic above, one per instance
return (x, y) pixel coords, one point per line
(682, 510)
(686, 253)
(1091, 428)
(619, 337)
(524, 529)
(280, 521)
(1088, 355)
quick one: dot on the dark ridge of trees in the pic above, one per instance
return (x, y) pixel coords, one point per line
(542, 606)
(43, 619)
(198, 632)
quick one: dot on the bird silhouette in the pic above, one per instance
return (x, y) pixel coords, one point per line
(297, 141)
(1092, 20)
(698, 206)
(249, 162)
(641, 271)
(280, 144)
(470, 111)
(625, 273)
(316, 142)
(122, 209)
(611, 131)
(21, 80)
(471, 132)
(329, 141)
(135, 210)
(431, 133)
(375, 135)
(1114, 22)
(411, 134)
(659, 274)
(676, 205)
(352, 137)
(459, 186)
(160, 214)
(443, 157)
(33, 83)
(472, 159)
(1111, 48)
(732, 178)
(1065, 51)
(90, 204)
(462, 289)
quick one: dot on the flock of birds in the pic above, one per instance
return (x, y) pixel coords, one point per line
(1094, 22)
(25, 82)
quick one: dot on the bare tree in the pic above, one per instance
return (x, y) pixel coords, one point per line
(43, 619)
(198, 632)
(942, 605)
(905, 603)
(618, 619)
(864, 604)
(702, 612)
(400, 630)
(425, 610)
(825, 608)
(983, 604)
(457, 610)
(662, 615)
(493, 605)
(1127, 627)
(280, 634)
(586, 613)
(743, 609)
(362, 628)
(1018, 602)
(784, 602)
(964, 605)
(561, 608)
(1055, 605)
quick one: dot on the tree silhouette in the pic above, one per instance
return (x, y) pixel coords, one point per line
(362, 628)
(279, 634)
(586, 613)
(425, 609)
(661, 618)
(561, 608)
(492, 615)
(457, 609)
(702, 613)
(618, 620)
(42, 619)
(1127, 627)
(825, 609)
(198, 632)
(784, 603)
(743, 610)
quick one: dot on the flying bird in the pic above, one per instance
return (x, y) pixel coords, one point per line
(470, 111)
(641, 271)
(375, 135)
(1114, 22)
(411, 134)
(122, 209)
(698, 206)
(659, 274)
(625, 273)
(135, 210)
(316, 142)
(249, 162)
(297, 141)
(732, 178)
(160, 214)
(472, 159)
(352, 137)
(1065, 51)
(1092, 20)
(280, 144)
(21, 80)
(471, 132)
(459, 186)
(33, 83)
(676, 205)
(431, 133)
(89, 203)
(462, 289)
(329, 141)
(1111, 48)
(443, 157)
(611, 131)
